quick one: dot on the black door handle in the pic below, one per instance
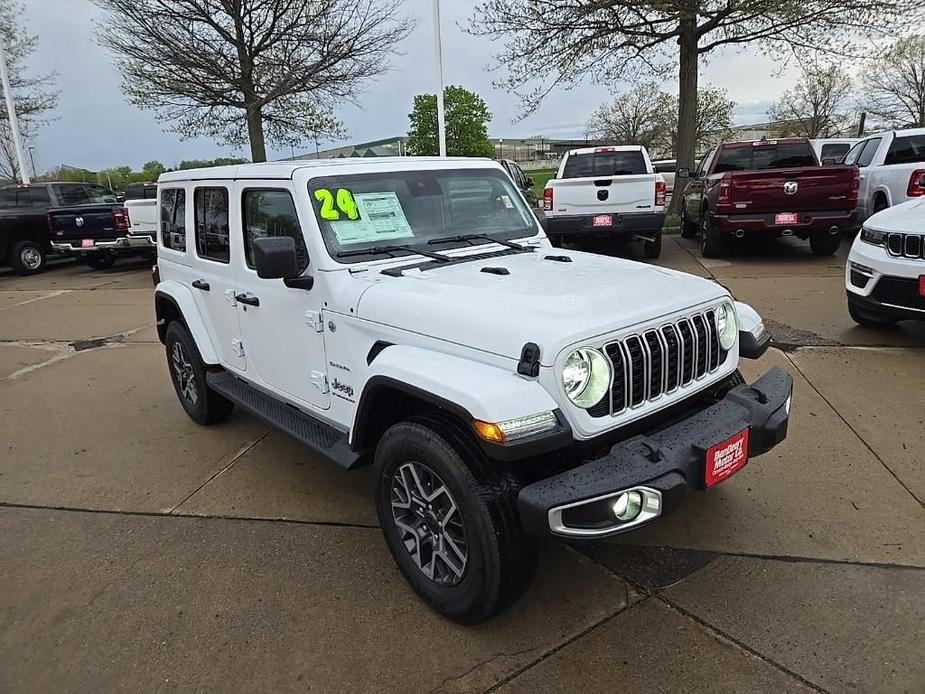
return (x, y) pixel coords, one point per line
(199, 284)
(248, 299)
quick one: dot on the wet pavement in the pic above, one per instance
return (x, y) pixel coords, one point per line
(141, 552)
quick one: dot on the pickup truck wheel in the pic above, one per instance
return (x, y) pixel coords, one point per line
(711, 245)
(188, 373)
(450, 521)
(866, 319)
(824, 243)
(27, 258)
(653, 249)
(101, 261)
(688, 228)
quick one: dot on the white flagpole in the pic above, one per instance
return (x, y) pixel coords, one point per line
(14, 122)
(441, 118)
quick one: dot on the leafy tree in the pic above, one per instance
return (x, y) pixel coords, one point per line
(467, 117)
(894, 84)
(550, 43)
(206, 163)
(253, 71)
(818, 106)
(34, 96)
(646, 115)
(153, 169)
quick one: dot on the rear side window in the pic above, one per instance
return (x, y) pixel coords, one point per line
(870, 149)
(834, 150)
(604, 164)
(784, 155)
(72, 195)
(664, 166)
(271, 213)
(173, 218)
(210, 221)
(33, 196)
(909, 149)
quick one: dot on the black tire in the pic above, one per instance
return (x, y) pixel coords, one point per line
(27, 257)
(866, 319)
(100, 261)
(201, 403)
(880, 204)
(688, 228)
(500, 559)
(824, 243)
(653, 249)
(711, 244)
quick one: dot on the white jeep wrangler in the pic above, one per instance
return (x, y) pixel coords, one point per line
(411, 313)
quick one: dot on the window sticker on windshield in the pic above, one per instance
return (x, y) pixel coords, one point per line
(507, 202)
(380, 218)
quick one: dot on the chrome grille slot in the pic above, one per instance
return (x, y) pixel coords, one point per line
(659, 361)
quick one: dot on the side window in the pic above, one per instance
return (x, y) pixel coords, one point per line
(173, 219)
(35, 196)
(705, 163)
(867, 156)
(99, 194)
(8, 197)
(72, 195)
(520, 177)
(271, 213)
(210, 222)
(853, 153)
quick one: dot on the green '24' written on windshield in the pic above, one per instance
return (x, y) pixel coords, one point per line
(334, 205)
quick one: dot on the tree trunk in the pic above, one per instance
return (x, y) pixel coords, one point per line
(255, 133)
(687, 103)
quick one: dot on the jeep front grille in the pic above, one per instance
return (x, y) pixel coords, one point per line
(657, 362)
(906, 245)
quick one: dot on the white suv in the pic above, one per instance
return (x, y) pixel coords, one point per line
(411, 313)
(885, 274)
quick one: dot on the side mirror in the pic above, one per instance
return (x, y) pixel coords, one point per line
(275, 257)
(530, 181)
(829, 161)
(684, 173)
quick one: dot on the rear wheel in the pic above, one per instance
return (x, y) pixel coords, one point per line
(188, 373)
(450, 520)
(653, 249)
(27, 257)
(868, 320)
(711, 244)
(824, 243)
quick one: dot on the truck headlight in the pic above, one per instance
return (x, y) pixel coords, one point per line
(726, 326)
(586, 377)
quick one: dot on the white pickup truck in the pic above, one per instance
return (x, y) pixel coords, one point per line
(141, 208)
(606, 192)
(892, 168)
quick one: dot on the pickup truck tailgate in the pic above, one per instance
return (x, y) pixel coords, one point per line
(804, 189)
(614, 194)
(84, 222)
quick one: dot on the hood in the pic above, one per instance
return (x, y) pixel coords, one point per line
(551, 303)
(907, 218)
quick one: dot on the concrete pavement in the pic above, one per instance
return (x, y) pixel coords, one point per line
(139, 551)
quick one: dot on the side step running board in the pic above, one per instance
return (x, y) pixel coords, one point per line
(318, 436)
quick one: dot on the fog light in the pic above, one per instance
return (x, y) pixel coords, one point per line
(627, 506)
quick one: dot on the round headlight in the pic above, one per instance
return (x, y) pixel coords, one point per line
(586, 377)
(726, 326)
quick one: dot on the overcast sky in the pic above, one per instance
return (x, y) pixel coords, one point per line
(96, 127)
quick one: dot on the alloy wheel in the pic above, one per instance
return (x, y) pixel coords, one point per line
(183, 370)
(31, 258)
(430, 523)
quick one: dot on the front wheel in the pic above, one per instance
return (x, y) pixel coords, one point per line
(27, 258)
(450, 521)
(824, 243)
(688, 228)
(188, 373)
(653, 249)
(711, 245)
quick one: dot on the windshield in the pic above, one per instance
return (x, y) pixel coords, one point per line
(399, 208)
(784, 155)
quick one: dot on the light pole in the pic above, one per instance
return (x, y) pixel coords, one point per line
(32, 159)
(438, 49)
(14, 122)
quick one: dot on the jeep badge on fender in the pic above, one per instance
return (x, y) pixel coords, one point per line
(503, 391)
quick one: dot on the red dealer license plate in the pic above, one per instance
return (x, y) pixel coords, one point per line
(87, 243)
(603, 220)
(786, 218)
(727, 458)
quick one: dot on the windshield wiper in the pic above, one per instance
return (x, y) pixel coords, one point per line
(392, 249)
(477, 237)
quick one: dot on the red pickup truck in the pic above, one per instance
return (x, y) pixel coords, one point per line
(768, 187)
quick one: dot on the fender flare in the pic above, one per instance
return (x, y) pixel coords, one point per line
(466, 389)
(182, 300)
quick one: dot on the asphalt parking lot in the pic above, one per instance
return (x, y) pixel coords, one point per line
(139, 551)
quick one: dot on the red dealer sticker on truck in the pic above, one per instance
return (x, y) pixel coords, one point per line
(603, 220)
(786, 218)
(727, 458)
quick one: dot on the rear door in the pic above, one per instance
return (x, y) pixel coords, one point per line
(605, 181)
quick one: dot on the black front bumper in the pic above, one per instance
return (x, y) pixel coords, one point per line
(896, 298)
(624, 225)
(670, 461)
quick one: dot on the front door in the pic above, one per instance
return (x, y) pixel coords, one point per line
(280, 327)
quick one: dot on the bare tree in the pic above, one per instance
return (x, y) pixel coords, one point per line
(250, 70)
(548, 43)
(34, 96)
(635, 117)
(820, 104)
(894, 84)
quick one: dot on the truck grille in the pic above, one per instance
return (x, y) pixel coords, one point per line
(659, 361)
(906, 245)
